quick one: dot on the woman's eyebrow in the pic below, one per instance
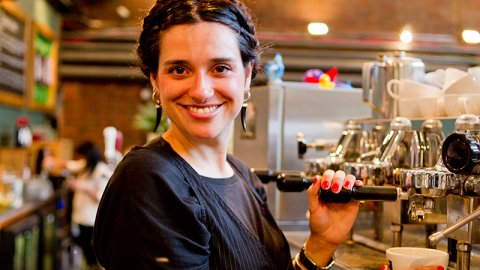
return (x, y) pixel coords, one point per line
(222, 60)
(176, 62)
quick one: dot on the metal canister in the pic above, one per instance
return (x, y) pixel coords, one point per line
(376, 74)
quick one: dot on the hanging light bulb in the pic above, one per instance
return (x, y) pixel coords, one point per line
(317, 29)
(406, 35)
(471, 36)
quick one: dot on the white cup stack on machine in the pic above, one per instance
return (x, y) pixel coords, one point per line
(446, 92)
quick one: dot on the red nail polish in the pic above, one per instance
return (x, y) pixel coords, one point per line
(385, 267)
(335, 188)
(346, 185)
(315, 179)
(325, 184)
(440, 268)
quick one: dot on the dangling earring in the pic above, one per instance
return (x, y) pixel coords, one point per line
(158, 107)
(243, 111)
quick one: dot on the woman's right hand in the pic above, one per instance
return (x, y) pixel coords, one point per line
(329, 222)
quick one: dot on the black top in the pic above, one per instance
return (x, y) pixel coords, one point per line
(158, 213)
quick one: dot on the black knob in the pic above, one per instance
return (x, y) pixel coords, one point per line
(460, 153)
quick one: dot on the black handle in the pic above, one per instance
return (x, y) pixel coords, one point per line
(363, 193)
(297, 182)
(265, 175)
(293, 182)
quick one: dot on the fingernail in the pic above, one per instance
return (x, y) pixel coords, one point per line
(346, 185)
(440, 268)
(385, 267)
(335, 187)
(315, 179)
(325, 184)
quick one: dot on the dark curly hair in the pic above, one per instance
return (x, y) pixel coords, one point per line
(91, 153)
(167, 13)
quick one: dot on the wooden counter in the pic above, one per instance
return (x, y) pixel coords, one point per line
(9, 216)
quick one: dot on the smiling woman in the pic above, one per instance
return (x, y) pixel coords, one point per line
(185, 202)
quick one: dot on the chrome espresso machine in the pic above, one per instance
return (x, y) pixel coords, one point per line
(446, 193)
(412, 172)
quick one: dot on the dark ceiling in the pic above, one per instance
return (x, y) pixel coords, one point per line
(100, 13)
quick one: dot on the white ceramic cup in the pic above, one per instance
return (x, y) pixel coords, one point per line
(409, 107)
(452, 75)
(406, 258)
(435, 78)
(469, 83)
(405, 88)
(474, 70)
(472, 104)
(455, 104)
(432, 107)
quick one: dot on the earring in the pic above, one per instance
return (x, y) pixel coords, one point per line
(243, 111)
(158, 107)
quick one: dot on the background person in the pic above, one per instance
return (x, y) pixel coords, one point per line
(87, 178)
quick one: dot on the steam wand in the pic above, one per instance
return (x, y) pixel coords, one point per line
(435, 238)
(298, 181)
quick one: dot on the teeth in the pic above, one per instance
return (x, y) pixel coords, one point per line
(202, 110)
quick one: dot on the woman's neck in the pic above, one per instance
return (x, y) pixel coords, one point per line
(207, 157)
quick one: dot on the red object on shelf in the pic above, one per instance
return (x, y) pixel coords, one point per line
(333, 72)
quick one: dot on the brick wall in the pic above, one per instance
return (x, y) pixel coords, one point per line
(88, 106)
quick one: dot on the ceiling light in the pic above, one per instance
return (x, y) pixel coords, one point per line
(123, 12)
(317, 28)
(406, 35)
(471, 36)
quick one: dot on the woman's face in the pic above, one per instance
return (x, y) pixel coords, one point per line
(201, 79)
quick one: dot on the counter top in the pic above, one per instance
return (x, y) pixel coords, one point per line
(9, 216)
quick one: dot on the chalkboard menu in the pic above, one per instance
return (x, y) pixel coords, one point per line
(13, 54)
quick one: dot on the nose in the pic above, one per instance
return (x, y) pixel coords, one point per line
(201, 89)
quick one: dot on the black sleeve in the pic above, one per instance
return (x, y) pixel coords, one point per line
(149, 218)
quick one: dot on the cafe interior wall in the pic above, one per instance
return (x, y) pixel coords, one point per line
(41, 12)
(350, 21)
(89, 104)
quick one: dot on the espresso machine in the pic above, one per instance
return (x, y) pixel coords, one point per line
(402, 148)
(355, 143)
(446, 193)
(461, 156)
(454, 184)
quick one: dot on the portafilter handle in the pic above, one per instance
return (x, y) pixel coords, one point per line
(296, 182)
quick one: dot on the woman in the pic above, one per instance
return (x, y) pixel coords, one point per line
(87, 178)
(180, 202)
(87, 187)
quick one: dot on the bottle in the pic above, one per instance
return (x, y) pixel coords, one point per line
(23, 136)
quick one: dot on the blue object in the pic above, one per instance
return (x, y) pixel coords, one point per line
(275, 69)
